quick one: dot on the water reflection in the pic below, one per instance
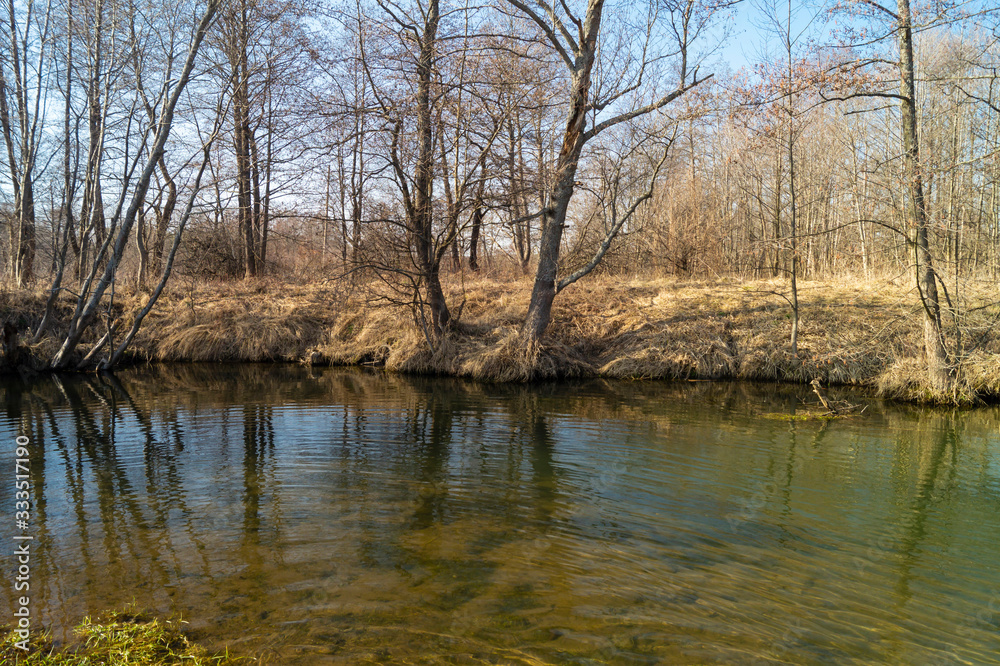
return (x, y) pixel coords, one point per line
(340, 516)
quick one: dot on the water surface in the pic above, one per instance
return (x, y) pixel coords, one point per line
(337, 516)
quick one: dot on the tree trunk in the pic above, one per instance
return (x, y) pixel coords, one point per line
(553, 222)
(934, 350)
(792, 193)
(242, 137)
(22, 247)
(163, 217)
(142, 245)
(423, 231)
(554, 216)
(258, 204)
(22, 169)
(477, 222)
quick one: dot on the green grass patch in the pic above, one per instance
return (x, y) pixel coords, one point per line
(774, 416)
(116, 638)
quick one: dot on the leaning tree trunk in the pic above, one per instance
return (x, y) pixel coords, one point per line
(554, 217)
(89, 300)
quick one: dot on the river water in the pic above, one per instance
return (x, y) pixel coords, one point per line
(314, 516)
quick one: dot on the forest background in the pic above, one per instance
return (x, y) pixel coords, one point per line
(762, 190)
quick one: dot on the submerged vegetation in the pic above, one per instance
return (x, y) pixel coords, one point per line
(862, 333)
(115, 638)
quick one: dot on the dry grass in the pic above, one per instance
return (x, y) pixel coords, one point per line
(232, 321)
(852, 332)
(710, 331)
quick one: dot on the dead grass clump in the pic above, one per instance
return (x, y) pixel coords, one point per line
(372, 336)
(238, 334)
(507, 360)
(510, 360)
(414, 354)
(688, 350)
(982, 370)
(907, 380)
(765, 362)
(239, 322)
(25, 307)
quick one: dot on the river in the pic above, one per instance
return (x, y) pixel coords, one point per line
(314, 516)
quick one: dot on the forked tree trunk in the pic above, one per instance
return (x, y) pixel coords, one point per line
(163, 218)
(579, 56)
(553, 222)
(554, 217)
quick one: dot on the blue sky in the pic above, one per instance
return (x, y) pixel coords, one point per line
(749, 41)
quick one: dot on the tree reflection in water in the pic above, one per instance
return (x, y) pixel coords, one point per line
(336, 513)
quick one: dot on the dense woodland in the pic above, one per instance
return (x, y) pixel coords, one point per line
(405, 143)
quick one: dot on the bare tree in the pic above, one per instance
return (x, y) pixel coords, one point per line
(900, 26)
(435, 131)
(103, 269)
(25, 66)
(934, 347)
(578, 42)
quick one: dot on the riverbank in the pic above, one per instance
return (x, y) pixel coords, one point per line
(863, 333)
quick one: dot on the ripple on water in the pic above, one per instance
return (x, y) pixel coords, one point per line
(343, 517)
